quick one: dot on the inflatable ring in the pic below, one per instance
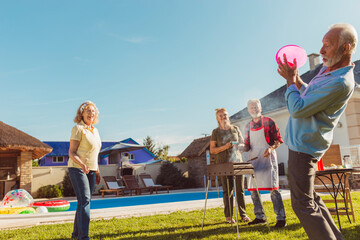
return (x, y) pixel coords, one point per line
(17, 210)
(53, 206)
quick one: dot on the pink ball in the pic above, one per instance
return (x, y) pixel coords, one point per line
(292, 52)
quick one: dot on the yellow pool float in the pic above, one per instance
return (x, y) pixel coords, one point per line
(17, 210)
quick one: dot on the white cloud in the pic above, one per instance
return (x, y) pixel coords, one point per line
(21, 71)
(81, 59)
(55, 102)
(153, 129)
(177, 143)
(170, 140)
(135, 40)
(177, 149)
(157, 110)
(159, 133)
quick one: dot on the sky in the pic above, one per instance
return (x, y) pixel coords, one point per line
(154, 68)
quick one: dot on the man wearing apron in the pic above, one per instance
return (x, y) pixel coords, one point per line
(225, 143)
(262, 137)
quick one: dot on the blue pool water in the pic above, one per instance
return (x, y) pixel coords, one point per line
(151, 199)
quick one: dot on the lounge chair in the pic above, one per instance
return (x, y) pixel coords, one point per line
(131, 184)
(148, 182)
(112, 185)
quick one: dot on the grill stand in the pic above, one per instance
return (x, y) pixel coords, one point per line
(231, 169)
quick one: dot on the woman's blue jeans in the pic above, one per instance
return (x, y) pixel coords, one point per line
(83, 185)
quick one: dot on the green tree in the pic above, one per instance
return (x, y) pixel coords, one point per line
(49, 191)
(150, 144)
(170, 175)
(161, 151)
(36, 163)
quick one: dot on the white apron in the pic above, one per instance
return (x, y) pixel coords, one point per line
(266, 169)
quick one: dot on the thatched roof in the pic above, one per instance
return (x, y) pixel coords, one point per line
(196, 148)
(14, 139)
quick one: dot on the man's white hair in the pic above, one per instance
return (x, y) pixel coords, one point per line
(254, 100)
(348, 34)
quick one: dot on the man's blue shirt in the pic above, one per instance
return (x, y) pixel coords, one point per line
(315, 110)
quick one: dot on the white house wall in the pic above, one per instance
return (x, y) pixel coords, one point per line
(281, 118)
(341, 135)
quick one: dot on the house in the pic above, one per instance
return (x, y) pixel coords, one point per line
(198, 156)
(17, 150)
(347, 132)
(136, 156)
(60, 154)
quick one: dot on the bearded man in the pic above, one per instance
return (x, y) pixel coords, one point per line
(262, 137)
(315, 110)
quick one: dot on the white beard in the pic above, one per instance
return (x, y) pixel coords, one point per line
(256, 115)
(332, 61)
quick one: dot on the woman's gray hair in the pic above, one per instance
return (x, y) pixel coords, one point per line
(348, 34)
(254, 100)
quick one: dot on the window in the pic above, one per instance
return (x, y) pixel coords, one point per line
(58, 159)
(129, 155)
(113, 159)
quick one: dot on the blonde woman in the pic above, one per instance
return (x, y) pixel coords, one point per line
(225, 143)
(84, 172)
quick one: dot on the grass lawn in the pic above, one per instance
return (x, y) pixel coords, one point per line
(186, 225)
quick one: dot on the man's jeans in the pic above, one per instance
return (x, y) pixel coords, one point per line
(277, 204)
(83, 185)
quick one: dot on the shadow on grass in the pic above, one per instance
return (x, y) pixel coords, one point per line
(195, 233)
(351, 233)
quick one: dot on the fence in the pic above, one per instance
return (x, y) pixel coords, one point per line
(54, 175)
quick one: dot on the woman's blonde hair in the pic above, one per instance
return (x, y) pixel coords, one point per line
(219, 110)
(78, 118)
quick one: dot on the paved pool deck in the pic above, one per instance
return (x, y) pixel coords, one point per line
(11, 221)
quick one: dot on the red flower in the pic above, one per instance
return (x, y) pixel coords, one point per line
(7, 200)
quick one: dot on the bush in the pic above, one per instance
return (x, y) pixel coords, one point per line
(67, 187)
(171, 175)
(36, 163)
(49, 191)
(181, 160)
(190, 182)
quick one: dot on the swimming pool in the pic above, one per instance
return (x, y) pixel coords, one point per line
(151, 199)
